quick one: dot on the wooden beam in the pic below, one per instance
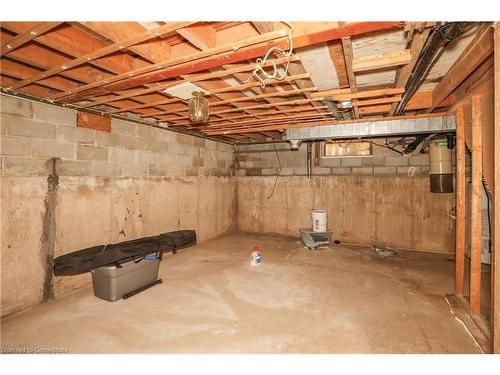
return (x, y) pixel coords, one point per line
(22, 39)
(391, 99)
(495, 275)
(371, 109)
(473, 55)
(97, 88)
(154, 50)
(404, 73)
(273, 119)
(338, 96)
(460, 202)
(202, 36)
(476, 207)
(378, 62)
(263, 27)
(348, 58)
(243, 54)
(337, 56)
(150, 34)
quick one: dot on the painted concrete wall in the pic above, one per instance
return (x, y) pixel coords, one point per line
(135, 181)
(394, 211)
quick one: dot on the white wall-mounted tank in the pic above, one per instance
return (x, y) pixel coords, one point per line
(441, 171)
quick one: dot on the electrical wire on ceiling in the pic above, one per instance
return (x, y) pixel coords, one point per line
(435, 45)
(259, 71)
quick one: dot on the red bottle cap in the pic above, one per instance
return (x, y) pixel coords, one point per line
(256, 248)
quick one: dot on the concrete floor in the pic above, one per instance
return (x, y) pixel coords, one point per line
(343, 300)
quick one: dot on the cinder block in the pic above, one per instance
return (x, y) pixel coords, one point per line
(373, 161)
(184, 139)
(29, 128)
(321, 170)
(73, 168)
(330, 162)
(419, 159)
(193, 171)
(251, 171)
(121, 154)
(176, 148)
(286, 171)
(409, 171)
(396, 161)
(85, 152)
(198, 162)
(15, 146)
(157, 169)
(167, 136)
(19, 166)
(184, 160)
(211, 145)
(175, 170)
(341, 171)
(198, 142)
(52, 148)
(136, 143)
(16, 106)
(55, 114)
(134, 169)
(218, 172)
(362, 171)
(351, 162)
(384, 170)
(123, 127)
(301, 171)
(222, 164)
(104, 168)
(157, 145)
(193, 151)
(241, 172)
(148, 132)
(109, 139)
(149, 157)
(74, 134)
(269, 171)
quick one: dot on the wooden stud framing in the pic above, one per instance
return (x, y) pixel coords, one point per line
(460, 203)
(476, 204)
(495, 276)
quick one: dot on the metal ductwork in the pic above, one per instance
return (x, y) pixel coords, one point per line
(389, 128)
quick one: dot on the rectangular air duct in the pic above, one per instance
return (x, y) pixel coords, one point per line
(441, 124)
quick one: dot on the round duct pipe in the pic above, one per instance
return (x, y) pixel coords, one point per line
(441, 171)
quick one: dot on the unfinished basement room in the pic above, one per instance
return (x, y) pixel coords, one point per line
(250, 187)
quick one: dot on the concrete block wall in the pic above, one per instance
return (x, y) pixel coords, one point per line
(34, 132)
(135, 181)
(382, 162)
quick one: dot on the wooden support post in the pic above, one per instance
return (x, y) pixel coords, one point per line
(460, 204)
(495, 275)
(476, 205)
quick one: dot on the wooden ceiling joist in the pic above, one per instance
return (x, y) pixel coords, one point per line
(378, 62)
(338, 95)
(112, 84)
(164, 29)
(479, 49)
(21, 39)
(241, 54)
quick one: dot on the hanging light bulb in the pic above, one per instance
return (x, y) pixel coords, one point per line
(198, 107)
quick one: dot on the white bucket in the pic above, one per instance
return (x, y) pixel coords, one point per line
(319, 220)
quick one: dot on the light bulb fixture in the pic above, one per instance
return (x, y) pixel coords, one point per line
(198, 107)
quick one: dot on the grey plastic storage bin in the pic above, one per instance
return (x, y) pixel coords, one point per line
(112, 282)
